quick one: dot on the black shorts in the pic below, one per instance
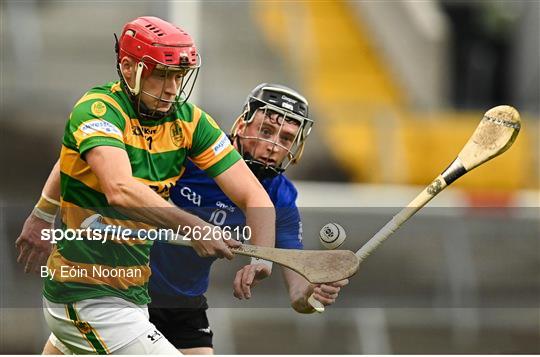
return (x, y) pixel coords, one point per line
(182, 320)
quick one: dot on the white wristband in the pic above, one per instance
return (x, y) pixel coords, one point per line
(262, 261)
(47, 217)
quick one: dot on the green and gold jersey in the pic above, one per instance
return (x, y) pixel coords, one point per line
(157, 150)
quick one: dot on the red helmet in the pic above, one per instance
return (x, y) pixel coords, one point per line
(155, 41)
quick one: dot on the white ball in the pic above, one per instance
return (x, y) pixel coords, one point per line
(332, 235)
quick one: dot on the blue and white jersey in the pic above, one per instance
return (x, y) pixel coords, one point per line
(178, 270)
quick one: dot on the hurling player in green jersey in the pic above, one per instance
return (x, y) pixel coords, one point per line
(124, 147)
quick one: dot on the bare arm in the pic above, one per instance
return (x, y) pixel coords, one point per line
(245, 190)
(52, 185)
(33, 251)
(112, 167)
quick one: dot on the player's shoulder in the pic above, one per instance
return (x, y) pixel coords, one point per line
(281, 190)
(195, 116)
(189, 112)
(111, 91)
(282, 181)
(105, 102)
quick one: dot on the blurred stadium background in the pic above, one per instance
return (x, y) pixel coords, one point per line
(395, 87)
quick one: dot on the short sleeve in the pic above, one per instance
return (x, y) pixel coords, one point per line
(288, 221)
(211, 149)
(96, 120)
(288, 228)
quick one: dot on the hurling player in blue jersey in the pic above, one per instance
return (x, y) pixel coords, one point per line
(270, 134)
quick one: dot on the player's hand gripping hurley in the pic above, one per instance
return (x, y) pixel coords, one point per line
(496, 132)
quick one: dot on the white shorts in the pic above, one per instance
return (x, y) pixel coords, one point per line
(102, 326)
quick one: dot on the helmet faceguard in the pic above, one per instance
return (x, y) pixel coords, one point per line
(157, 46)
(279, 105)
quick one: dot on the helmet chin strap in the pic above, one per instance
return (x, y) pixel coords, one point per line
(154, 113)
(138, 74)
(158, 98)
(148, 113)
(261, 170)
(135, 95)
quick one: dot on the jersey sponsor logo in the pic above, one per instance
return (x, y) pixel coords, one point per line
(146, 133)
(225, 206)
(98, 108)
(177, 135)
(221, 145)
(99, 126)
(142, 131)
(191, 195)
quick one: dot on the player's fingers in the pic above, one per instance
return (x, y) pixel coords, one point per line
(324, 300)
(18, 242)
(206, 253)
(247, 280)
(32, 261)
(232, 243)
(258, 276)
(237, 285)
(201, 252)
(249, 275)
(218, 253)
(340, 283)
(38, 263)
(199, 248)
(329, 289)
(328, 295)
(223, 251)
(226, 252)
(24, 250)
